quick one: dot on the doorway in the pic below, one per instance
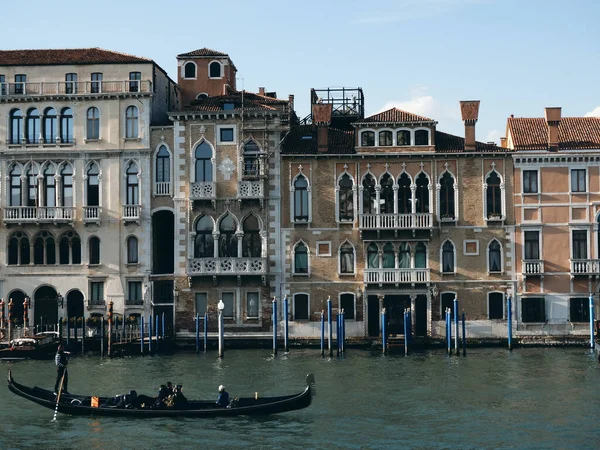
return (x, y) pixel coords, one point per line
(421, 316)
(45, 307)
(75, 304)
(373, 315)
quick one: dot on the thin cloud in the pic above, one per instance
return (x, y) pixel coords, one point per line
(417, 10)
(593, 113)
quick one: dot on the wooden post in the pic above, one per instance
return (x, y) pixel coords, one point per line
(25, 318)
(10, 307)
(1, 313)
(110, 315)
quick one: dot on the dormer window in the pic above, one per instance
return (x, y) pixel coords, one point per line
(385, 138)
(367, 139)
(421, 137)
(228, 106)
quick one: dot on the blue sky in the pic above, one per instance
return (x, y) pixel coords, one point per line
(424, 56)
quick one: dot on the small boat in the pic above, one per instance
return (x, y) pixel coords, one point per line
(81, 405)
(38, 346)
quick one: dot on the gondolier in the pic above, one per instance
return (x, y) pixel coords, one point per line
(61, 360)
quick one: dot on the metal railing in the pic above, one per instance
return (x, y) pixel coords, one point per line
(396, 221)
(533, 267)
(75, 88)
(396, 275)
(227, 266)
(39, 214)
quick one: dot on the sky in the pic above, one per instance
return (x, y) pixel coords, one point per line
(422, 56)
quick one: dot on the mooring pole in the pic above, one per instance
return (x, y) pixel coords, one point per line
(286, 346)
(102, 337)
(205, 331)
(10, 308)
(456, 337)
(82, 335)
(163, 326)
(449, 328)
(337, 333)
(110, 319)
(142, 333)
(1, 313)
(509, 320)
(405, 333)
(329, 327)
(68, 330)
(383, 331)
(343, 324)
(221, 307)
(592, 321)
(464, 335)
(197, 321)
(156, 331)
(274, 325)
(322, 333)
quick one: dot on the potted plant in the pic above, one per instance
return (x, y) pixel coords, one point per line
(93, 323)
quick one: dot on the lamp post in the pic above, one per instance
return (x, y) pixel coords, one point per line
(221, 307)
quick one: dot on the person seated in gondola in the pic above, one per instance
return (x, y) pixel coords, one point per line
(178, 398)
(223, 399)
(163, 393)
(170, 390)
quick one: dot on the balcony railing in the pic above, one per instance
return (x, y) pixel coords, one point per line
(585, 267)
(39, 214)
(203, 190)
(131, 212)
(134, 301)
(251, 189)
(396, 221)
(533, 267)
(162, 188)
(227, 266)
(395, 276)
(91, 214)
(74, 88)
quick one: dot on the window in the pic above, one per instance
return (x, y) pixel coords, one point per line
(301, 199)
(202, 96)
(252, 299)
(421, 137)
(493, 197)
(447, 302)
(16, 196)
(403, 137)
(578, 183)
(346, 198)
(251, 161)
(229, 302)
(66, 175)
(533, 309)
(189, 70)
(404, 256)
(96, 85)
(93, 124)
(447, 196)
(214, 69)
(372, 256)
(389, 256)
(201, 303)
(226, 134)
(404, 195)
(97, 292)
(251, 241)
(420, 256)
(32, 186)
(94, 249)
(16, 126)
(66, 126)
(579, 244)
(494, 257)
(134, 81)
(301, 307)
(385, 138)
(134, 293)
(71, 83)
(228, 106)
(386, 195)
(495, 305)
(132, 192)
(530, 182)
(532, 245)
(33, 126)
(422, 194)
(20, 81)
(228, 242)
(204, 168)
(323, 248)
(19, 252)
(132, 250)
(369, 195)
(131, 122)
(204, 241)
(69, 248)
(579, 309)
(44, 249)
(347, 304)
(93, 185)
(347, 258)
(448, 257)
(2, 85)
(300, 259)
(50, 126)
(367, 139)
(163, 165)
(49, 186)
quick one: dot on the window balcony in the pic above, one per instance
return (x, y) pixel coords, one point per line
(75, 88)
(203, 190)
(96, 304)
(227, 266)
(396, 276)
(585, 267)
(134, 302)
(91, 214)
(423, 221)
(251, 189)
(533, 267)
(162, 188)
(39, 214)
(132, 213)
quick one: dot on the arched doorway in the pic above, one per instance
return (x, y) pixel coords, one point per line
(75, 304)
(163, 238)
(17, 297)
(45, 306)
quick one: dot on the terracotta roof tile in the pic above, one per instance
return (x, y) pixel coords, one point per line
(395, 115)
(302, 140)
(202, 52)
(66, 56)
(251, 101)
(449, 143)
(531, 133)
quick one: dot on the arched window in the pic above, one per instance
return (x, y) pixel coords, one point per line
(133, 189)
(388, 256)
(448, 257)
(251, 241)
(201, 96)
(132, 250)
(386, 196)
(69, 248)
(347, 258)
(372, 256)
(33, 126)
(16, 126)
(493, 196)
(93, 185)
(66, 175)
(189, 70)
(16, 196)
(301, 258)
(94, 249)
(347, 303)
(49, 186)
(163, 165)
(385, 138)
(422, 194)
(251, 161)
(204, 241)
(447, 210)
(214, 70)
(494, 256)
(404, 256)
(131, 122)
(50, 126)
(93, 123)
(404, 195)
(346, 199)
(369, 195)
(32, 186)
(228, 246)
(420, 256)
(403, 137)
(18, 249)
(44, 249)
(421, 137)
(66, 125)
(367, 139)
(301, 199)
(204, 167)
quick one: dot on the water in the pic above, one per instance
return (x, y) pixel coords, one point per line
(533, 398)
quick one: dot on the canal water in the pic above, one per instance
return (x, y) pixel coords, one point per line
(531, 398)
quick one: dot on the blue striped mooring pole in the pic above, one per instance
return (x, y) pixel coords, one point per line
(150, 334)
(449, 330)
(456, 336)
(592, 321)
(322, 333)
(197, 320)
(286, 346)
(329, 327)
(383, 330)
(337, 333)
(274, 325)
(205, 331)
(509, 320)
(343, 324)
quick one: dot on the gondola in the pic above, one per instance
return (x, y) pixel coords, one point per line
(81, 405)
(39, 346)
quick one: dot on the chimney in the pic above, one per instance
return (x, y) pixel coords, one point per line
(321, 117)
(261, 90)
(291, 101)
(553, 116)
(503, 142)
(469, 110)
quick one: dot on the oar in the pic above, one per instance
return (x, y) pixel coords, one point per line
(58, 396)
